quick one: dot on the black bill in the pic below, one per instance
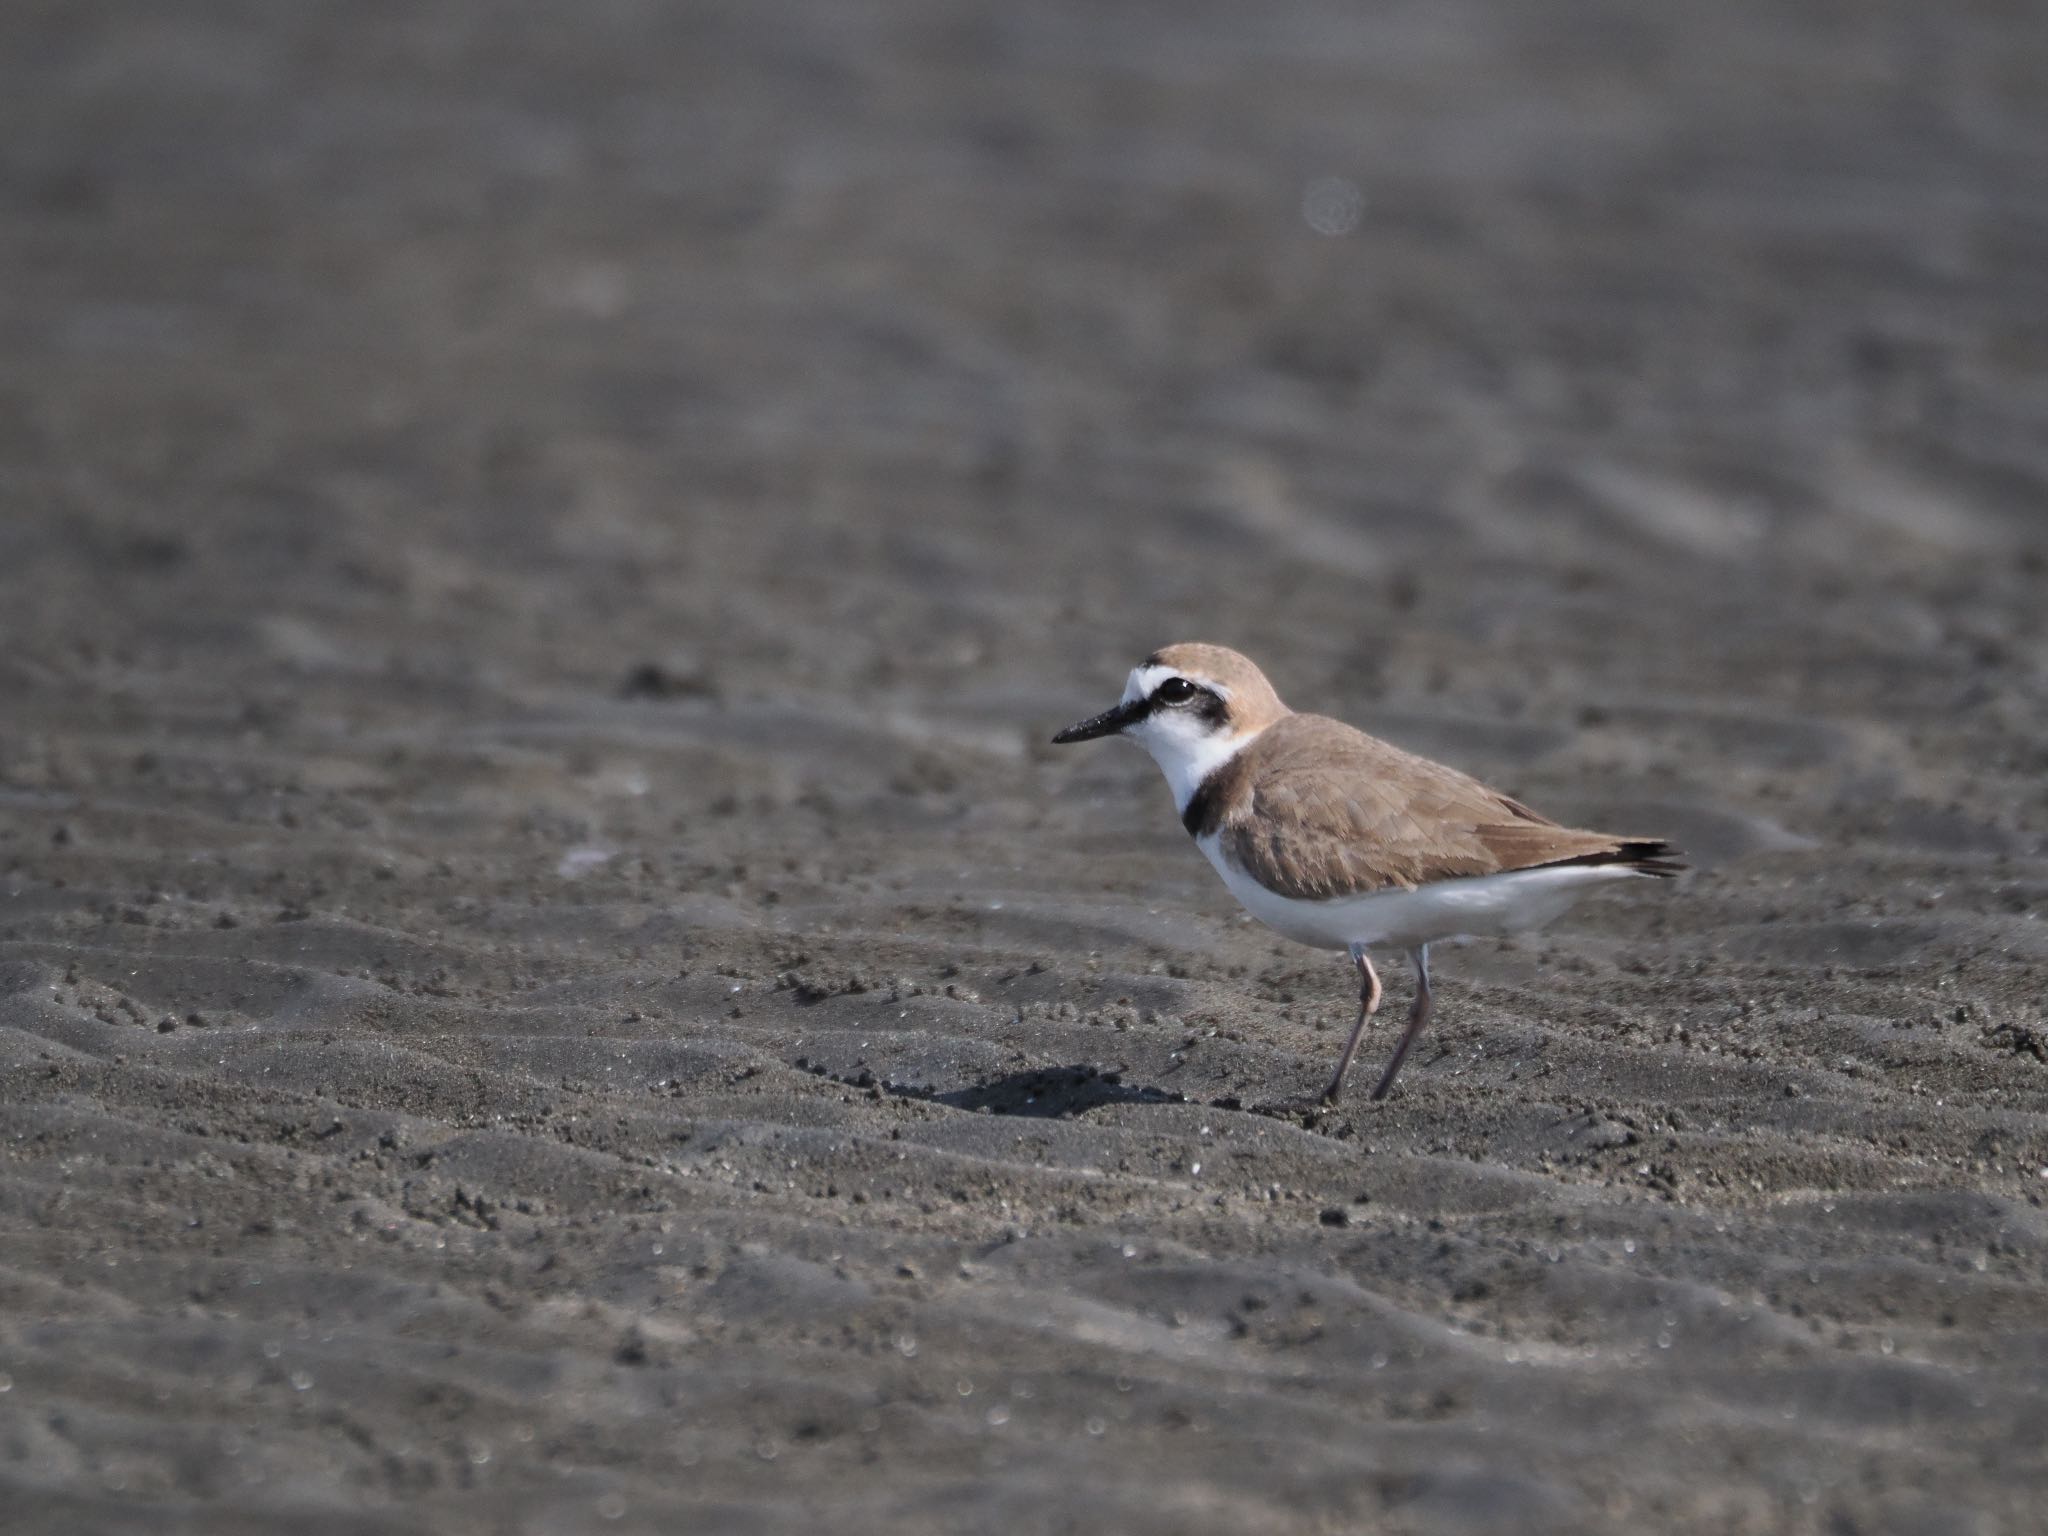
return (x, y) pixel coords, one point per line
(1108, 723)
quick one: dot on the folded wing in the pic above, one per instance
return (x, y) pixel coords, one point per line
(1315, 809)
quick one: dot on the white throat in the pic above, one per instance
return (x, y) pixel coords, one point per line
(1187, 758)
(1183, 746)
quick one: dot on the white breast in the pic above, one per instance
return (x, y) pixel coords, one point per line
(1476, 906)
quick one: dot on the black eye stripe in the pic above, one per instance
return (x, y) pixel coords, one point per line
(1179, 693)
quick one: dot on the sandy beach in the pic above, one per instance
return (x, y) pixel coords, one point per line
(551, 981)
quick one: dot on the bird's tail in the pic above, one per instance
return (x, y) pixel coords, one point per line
(1651, 856)
(1638, 855)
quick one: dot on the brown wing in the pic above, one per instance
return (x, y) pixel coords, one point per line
(1315, 809)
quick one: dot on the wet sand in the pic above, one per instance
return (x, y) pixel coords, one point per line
(549, 980)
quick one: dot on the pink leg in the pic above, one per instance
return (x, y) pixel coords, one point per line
(1418, 1015)
(1368, 1005)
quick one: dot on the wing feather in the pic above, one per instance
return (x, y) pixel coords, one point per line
(1315, 809)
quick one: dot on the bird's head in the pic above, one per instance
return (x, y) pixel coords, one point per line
(1191, 706)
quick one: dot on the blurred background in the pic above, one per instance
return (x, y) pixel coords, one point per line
(501, 504)
(844, 346)
(931, 363)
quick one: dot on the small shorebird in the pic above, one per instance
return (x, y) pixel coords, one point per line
(1341, 841)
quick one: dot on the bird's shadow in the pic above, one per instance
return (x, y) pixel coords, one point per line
(1068, 1092)
(1044, 1093)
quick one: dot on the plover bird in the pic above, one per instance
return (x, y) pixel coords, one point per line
(1342, 841)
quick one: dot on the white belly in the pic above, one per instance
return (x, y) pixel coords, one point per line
(1476, 906)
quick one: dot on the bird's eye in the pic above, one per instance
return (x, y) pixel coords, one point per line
(1175, 690)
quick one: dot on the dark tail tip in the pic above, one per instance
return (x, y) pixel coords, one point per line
(1651, 856)
(1640, 855)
